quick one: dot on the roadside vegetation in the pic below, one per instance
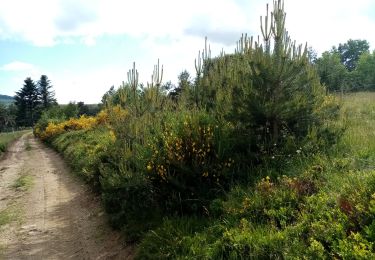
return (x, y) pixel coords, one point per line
(316, 206)
(7, 138)
(253, 159)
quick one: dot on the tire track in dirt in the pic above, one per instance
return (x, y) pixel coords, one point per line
(60, 217)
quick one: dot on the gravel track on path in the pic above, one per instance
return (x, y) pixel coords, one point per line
(57, 216)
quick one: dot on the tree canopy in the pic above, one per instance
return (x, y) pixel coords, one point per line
(351, 51)
(331, 71)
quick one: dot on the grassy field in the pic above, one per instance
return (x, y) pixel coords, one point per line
(359, 108)
(7, 138)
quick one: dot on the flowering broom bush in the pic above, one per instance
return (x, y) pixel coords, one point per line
(190, 161)
(54, 129)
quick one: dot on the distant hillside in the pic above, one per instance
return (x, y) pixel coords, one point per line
(4, 99)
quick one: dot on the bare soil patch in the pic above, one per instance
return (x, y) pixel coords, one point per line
(56, 216)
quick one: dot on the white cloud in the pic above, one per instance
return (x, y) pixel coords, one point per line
(47, 22)
(88, 87)
(172, 30)
(326, 23)
(18, 66)
(14, 74)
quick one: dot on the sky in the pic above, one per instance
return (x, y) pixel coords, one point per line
(87, 46)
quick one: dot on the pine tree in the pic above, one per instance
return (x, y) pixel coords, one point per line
(27, 102)
(268, 88)
(47, 97)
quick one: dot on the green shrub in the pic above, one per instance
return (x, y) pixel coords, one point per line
(190, 161)
(355, 247)
(84, 149)
(270, 93)
(130, 201)
(174, 239)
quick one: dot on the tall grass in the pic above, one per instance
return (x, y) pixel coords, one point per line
(359, 109)
(7, 138)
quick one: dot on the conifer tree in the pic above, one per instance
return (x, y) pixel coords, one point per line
(47, 97)
(268, 88)
(27, 102)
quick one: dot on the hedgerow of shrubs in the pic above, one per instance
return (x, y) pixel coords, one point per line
(166, 164)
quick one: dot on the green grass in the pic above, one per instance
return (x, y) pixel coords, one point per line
(359, 138)
(7, 138)
(24, 182)
(9, 214)
(5, 217)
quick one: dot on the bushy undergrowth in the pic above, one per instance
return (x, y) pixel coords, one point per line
(246, 163)
(322, 208)
(84, 149)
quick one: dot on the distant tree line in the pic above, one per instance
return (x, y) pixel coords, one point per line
(348, 67)
(35, 100)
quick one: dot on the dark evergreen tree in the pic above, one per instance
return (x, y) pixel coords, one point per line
(82, 108)
(47, 96)
(27, 102)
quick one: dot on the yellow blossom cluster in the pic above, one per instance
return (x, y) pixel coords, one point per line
(116, 114)
(102, 117)
(190, 147)
(53, 129)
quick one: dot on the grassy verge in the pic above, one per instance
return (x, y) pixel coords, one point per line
(7, 138)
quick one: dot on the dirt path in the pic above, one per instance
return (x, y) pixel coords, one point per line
(55, 216)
